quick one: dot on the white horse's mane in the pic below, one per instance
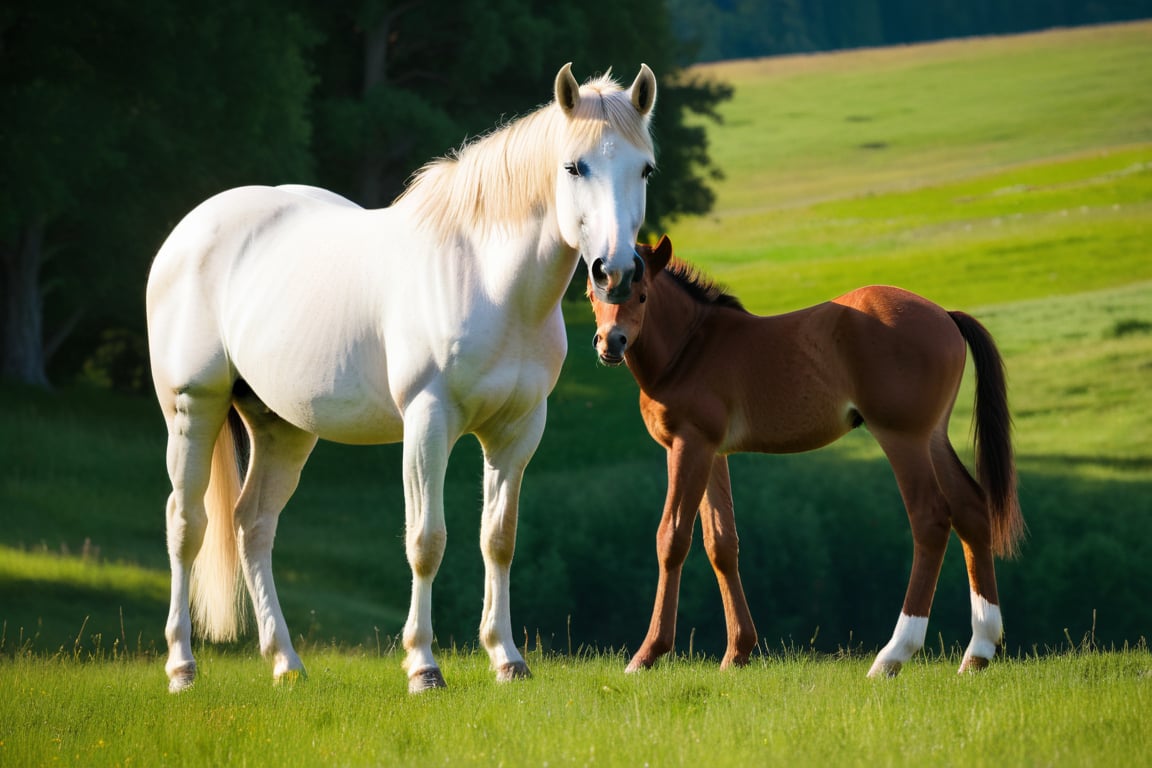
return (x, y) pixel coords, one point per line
(508, 176)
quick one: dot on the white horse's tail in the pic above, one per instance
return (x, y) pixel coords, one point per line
(218, 601)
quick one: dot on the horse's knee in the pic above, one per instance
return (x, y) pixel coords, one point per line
(498, 544)
(425, 549)
(185, 528)
(723, 552)
(672, 545)
(931, 528)
(973, 525)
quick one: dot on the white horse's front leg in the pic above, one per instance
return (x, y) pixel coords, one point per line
(505, 460)
(426, 448)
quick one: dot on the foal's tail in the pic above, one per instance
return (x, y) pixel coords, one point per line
(218, 601)
(995, 465)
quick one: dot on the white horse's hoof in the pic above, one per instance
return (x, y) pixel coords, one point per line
(426, 679)
(973, 664)
(290, 676)
(181, 678)
(882, 668)
(513, 670)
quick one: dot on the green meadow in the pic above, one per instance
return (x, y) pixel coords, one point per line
(1009, 177)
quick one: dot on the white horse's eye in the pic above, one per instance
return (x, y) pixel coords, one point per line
(648, 169)
(578, 168)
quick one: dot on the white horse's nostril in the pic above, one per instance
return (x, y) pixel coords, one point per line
(599, 276)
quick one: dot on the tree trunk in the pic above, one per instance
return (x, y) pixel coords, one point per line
(22, 344)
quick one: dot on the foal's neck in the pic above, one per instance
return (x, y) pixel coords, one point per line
(672, 321)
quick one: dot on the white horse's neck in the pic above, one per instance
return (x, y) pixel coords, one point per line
(494, 202)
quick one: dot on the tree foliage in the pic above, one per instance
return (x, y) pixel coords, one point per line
(119, 119)
(715, 30)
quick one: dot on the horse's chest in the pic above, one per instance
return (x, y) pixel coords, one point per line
(486, 387)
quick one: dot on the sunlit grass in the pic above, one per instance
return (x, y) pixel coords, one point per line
(786, 708)
(1008, 177)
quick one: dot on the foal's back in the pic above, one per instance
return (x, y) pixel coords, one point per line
(798, 381)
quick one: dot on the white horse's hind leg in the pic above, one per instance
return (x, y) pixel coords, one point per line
(193, 426)
(426, 448)
(503, 472)
(279, 452)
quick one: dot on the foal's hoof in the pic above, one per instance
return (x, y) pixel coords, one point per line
(182, 677)
(973, 664)
(513, 670)
(736, 660)
(640, 662)
(426, 679)
(885, 668)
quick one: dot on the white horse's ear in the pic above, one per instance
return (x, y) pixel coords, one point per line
(567, 89)
(644, 90)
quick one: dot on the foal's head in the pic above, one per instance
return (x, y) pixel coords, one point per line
(619, 324)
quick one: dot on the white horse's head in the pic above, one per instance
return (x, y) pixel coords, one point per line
(601, 178)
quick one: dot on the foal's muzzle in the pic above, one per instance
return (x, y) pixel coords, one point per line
(615, 286)
(610, 346)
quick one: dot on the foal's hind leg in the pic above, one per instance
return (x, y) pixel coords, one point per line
(279, 451)
(928, 515)
(970, 519)
(689, 466)
(718, 521)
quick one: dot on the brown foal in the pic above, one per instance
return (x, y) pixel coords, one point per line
(715, 379)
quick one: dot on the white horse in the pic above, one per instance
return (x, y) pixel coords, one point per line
(292, 314)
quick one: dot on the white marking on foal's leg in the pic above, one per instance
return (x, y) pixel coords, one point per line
(987, 632)
(907, 639)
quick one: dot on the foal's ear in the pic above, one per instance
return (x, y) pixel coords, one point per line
(661, 254)
(644, 90)
(567, 90)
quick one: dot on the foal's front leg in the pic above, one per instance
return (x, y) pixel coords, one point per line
(689, 466)
(718, 521)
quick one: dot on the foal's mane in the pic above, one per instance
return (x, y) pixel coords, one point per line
(508, 176)
(700, 287)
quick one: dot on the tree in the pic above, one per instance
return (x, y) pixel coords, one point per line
(402, 82)
(119, 119)
(116, 121)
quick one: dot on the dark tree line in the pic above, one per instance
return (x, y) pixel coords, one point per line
(119, 118)
(716, 30)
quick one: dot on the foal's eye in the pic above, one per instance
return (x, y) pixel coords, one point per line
(648, 169)
(643, 298)
(577, 169)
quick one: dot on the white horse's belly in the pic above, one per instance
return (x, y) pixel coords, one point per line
(314, 396)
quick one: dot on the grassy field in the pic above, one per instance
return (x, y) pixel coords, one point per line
(1008, 177)
(973, 172)
(1073, 709)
